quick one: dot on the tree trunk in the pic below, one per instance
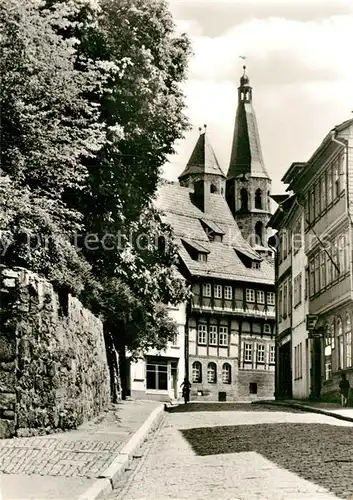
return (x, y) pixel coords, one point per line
(113, 367)
(123, 371)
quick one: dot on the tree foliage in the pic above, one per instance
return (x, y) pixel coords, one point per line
(91, 108)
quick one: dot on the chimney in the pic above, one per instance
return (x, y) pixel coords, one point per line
(202, 195)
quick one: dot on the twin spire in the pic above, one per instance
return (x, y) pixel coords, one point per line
(246, 155)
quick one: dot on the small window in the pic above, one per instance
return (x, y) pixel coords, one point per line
(211, 373)
(260, 297)
(207, 290)
(226, 373)
(196, 372)
(256, 265)
(267, 328)
(259, 232)
(218, 291)
(212, 335)
(258, 199)
(248, 352)
(202, 334)
(244, 199)
(202, 257)
(253, 388)
(272, 354)
(223, 335)
(250, 295)
(260, 353)
(271, 298)
(228, 292)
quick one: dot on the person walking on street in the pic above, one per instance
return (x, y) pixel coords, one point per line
(186, 390)
(344, 389)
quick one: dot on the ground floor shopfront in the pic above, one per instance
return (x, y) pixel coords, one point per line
(156, 377)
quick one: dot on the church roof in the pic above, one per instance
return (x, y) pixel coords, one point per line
(223, 259)
(246, 155)
(203, 159)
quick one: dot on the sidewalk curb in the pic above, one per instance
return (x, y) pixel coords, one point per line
(106, 481)
(308, 409)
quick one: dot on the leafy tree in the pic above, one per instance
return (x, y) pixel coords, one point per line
(48, 126)
(91, 108)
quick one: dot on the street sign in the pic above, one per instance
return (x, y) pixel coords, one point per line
(311, 320)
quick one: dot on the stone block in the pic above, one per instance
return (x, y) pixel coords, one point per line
(8, 366)
(9, 282)
(8, 414)
(9, 273)
(7, 428)
(7, 348)
(8, 381)
(7, 401)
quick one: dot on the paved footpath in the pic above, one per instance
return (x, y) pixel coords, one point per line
(63, 466)
(190, 457)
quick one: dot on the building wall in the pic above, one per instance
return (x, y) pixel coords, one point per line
(53, 365)
(173, 356)
(254, 367)
(301, 346)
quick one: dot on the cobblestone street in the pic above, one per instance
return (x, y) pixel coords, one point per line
(247, 453)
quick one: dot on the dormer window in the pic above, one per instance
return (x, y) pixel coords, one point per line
(213, 231)
(248, 259)
(196, 250)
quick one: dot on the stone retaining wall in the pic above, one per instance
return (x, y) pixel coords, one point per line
(53, 365)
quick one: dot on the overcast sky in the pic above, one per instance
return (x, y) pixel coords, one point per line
(300, 65)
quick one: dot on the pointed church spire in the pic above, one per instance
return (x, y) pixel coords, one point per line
(246, 155)
(203, 159)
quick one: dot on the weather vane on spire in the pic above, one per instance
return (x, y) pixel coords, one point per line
(244, 59)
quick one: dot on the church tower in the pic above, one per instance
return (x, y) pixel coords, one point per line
(203, 173)
(248, 184)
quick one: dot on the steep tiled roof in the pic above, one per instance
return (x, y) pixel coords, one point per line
(222, 260)
(246, 156)
(203, 159)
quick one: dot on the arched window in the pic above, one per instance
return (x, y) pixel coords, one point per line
(244, 198)
(212, 373)
(213, 188)
(196, 372)
(268, 202)
(328, 352)
(259, 232)
(340, 341)
(258, 199)
(226, 373)
(348, 340)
